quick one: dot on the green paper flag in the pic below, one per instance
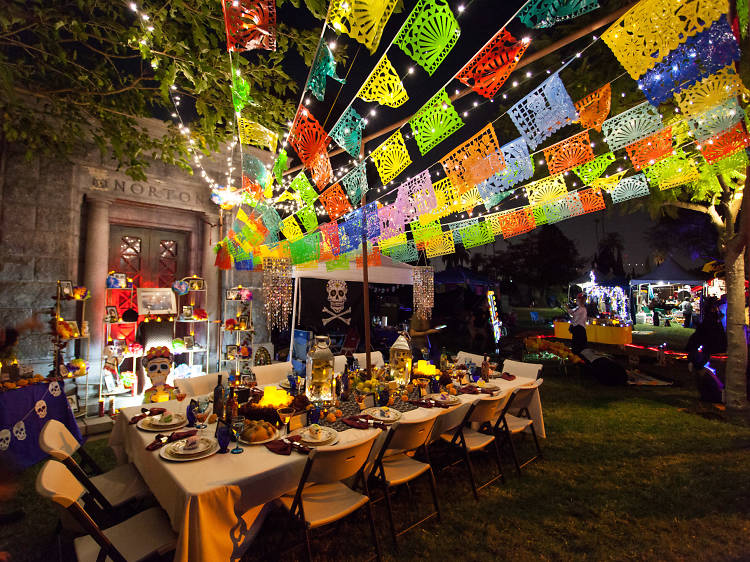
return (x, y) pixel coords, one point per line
(323, 67)
(240, 91)
(434, 122)
(429, 34)
(280, 165)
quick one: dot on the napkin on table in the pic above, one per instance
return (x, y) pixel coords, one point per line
(360, 422)
(508, 377)
(469, 389)
(429, 403)
(284, 446)
(147, 413)
(159, 440)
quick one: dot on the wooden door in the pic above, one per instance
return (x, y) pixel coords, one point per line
(152, 258)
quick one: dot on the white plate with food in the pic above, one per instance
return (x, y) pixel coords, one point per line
(176, 451)
(258, 432)
(190, 446)
(317, 435)
(167, 419)
(146, 425)
(383, 414)
(444, 398)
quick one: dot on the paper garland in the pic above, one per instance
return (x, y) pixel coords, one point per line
(355, 183)
(724, 144)
(489, 68)
(569, 153)
(441, 245)
(429, 34)
(516, 222)
(391, 221)
(540, 14)
(320, 166)
(335, 202)
(709, 92)
(672, 171)
(384, 86)
(329, 245)
(546, 189)
(476, 235)
(391, 158)
(290, 229)
(630, 188)
(715, 120)
(404, 253)
(308, 218)
(434, 122)
(519, 167)
(324, 66)
(362, 20)
(301, 185)
(594, 108)
(652, 29)
(348, 132)
(416, 196)
(595, 168)
(474, 161)
(372, 220)
(631, 125)
(307, 137)
(650, 150)
(240, 91)
(543, 111)
(257, 134)
(373, 258)
(250, 24)
(306, 249)
(280, 165)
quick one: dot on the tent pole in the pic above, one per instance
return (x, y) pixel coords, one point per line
(366, 291)
(294, 318)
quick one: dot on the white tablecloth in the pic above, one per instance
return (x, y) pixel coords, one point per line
(213, 503)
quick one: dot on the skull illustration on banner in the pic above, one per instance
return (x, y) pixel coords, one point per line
(336, 290)
(158, 365)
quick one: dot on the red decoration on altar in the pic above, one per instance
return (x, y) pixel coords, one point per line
(223, 259)
(650, 150)
(591, 199)
(594, 108)
(726, 143)
(567, 154)
(307, 137)
(335, 202)
(250, 24)
(329, 244)
(321, 169)
(517, 222)
(490, 67)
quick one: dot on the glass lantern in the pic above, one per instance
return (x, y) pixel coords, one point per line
(319, 380)
(400, 359)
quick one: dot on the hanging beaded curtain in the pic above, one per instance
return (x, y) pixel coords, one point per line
(594, 108)
(250, 24)
(424, 290)
(595, 168)
(307, 137)
(490, 67)
(429, 34)
(650, 150)
(434, 122)
(335, 202)
(725, 144)
(700, 56)
(256, 134)
(355, 183)
(539, 14)
(348, 132)
(546, 189)
(710, 92)
(277, 290)
(569, 153)
(416, 196)
(631, 125)
(652, 29)
(474, 161)
(715, 120)
(384, 86)
(391, 158)
(362, 20)
(673, 171)
(630, 188)
(323, 67)
(543, 111)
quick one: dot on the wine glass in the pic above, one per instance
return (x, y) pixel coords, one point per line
(285, 414)
(201, 413)
(238, 424)
(179, 394)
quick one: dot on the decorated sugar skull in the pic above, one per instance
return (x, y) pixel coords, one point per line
(41, 409)
(54, 389)
(158, 365)
(19, 430)
(336, 290)
(4, 439)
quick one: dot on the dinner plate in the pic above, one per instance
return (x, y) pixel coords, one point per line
(389, 417)
(145, 425)
(275, 436)
(166, 454)
(178, 447)
(177, 419)
(451, 400)
(330, 436)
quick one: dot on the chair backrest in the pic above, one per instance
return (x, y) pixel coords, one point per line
(525, 395)
(270, 374)
(57, 441)
(449, 420)
(198, 386)
(485, 409)
(376, 358)
(464, 357)
(339, 364)
(337, 462)
(57, 483)
(521, 369)
(409, 435)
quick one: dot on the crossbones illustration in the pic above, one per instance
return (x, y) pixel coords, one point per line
(340, 316)
(336, 290)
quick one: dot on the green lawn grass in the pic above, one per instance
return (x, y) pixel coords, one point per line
(675, 336)
(628, 473)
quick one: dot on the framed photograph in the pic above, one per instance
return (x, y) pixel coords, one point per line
(196, 284)
(122, 280)
(233, 294)
(247, 380)
(189, 342)
(246, 369)
(231, 352)
(66, 289)
(73, 403)
(187, 311)
(111, 315)
(243, 320)
(109, 382)
(156, 301)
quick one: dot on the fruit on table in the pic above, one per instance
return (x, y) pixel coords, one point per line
(331, 417)
(257, 430)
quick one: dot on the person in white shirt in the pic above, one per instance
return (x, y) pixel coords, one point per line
(578, 324)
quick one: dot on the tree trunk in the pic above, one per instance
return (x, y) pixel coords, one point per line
(736, 377)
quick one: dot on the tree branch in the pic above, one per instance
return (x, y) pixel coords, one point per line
(706, 210)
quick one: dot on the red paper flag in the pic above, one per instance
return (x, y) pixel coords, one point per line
(250, 24)
(307, 137)
(490, 67)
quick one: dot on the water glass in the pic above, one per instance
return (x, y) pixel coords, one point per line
(238, 424)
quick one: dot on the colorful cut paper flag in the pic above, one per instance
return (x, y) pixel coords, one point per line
(384, 86)
(630, 188)
(594, 108)
(362, 20)
(569, 153)
(546, 189)
(348, 132)
(250, 24)
(631, 125)
(335, 202)
(474, 161)
(323, 67)
(256, 134)
(434, 122)
(391, 158)
(429, 34)
(710, 92)
(539, 14)
(491, 66)
(725, 144)
(590, 171)
(416, 196)
(648, 151)
(307, 137)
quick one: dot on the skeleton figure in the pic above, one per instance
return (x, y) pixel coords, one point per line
(158, 365)
(336, 290)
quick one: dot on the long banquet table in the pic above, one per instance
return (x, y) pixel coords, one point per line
(214, 503)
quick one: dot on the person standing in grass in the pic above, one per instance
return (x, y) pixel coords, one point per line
(579, 316)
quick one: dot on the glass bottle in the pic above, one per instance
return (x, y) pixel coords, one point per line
(486, 369)
(443, 360)
(219, 398)
(319, 384)
(230, 408)
(400, 360)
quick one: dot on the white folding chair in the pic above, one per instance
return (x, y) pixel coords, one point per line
(322, 498)
(199, 386)
(521, 369)
(339, 364)
(394, 467)
(376, 358)
(110, 489)
(509, 424)
(464, 357)
(142, 536)
(271, 374)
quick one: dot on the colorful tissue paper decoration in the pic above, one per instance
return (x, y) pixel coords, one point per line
(650, 150)
(250, 24)
(391, 221)
(362, 20)
(516, 222)
(255, 170)
(280, 165)
(715, 120)
(734, 165)
(701, 55)
(335, 202)
(277, 290)
(320, 166)
(384, 86)
(290, 229)
(434, 122)
(474, 161)
(308, 218)
(329, 245)
(477, 234)
(544, 110)
(518, 167)
(569, 153)
(240, 91)
(373, 258)
(725, 144)
(307, 137)
(652, 29)
(404, 253)
(323, 66)
(710, 92)
(490, 67)
(546, 189)
(416, 196)
(631, 125)
(673, 171)
(441, 245)
(594, 108)
(595, 168)
(429, 34)
(355, 183)
(630, 188)
(591, 199)
(256, 134)
(371, 220)
(347, 132)
(301, 185)
(306, 249)
(423, 232)
(391, 158)
(539, 14)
